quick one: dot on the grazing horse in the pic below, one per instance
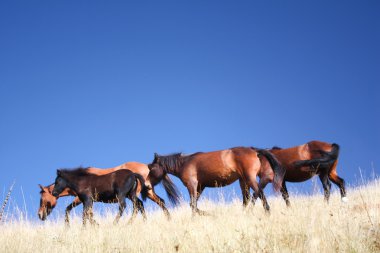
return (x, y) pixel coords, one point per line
(305, 161)
(48, 201)
(113, 187)
(218, 168)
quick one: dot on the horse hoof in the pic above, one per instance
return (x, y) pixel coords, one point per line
(344, 199)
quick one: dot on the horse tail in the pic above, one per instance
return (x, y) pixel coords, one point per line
(171, 190)
(144, 188)
(327, 159)
(279, 170)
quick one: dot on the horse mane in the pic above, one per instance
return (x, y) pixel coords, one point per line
(173, 160)
(77, 172)
(276, 148)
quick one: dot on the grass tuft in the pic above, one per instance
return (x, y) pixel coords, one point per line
(310, 225)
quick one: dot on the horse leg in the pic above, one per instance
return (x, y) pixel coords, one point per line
(195, 191)
(159, 201)
(75, 203)
(140, 207)
(326, 185)
(333, 176)
(122, 206)
(245, 192)
(263, 182)
(87, 209)
(135, 209)
(258, 192)
(199, 192)
(285, 194)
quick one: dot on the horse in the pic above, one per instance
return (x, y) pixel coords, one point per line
(219, 168)
(48, 201)
(113, 187)
(304, 162)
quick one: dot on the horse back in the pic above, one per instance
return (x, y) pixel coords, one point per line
(218, 168)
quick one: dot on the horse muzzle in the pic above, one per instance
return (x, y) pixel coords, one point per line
(55, 194)
(42, 215)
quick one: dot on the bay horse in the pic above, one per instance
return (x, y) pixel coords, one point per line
(218, 168)
(48, 201)
(113, 187)
(304, 162)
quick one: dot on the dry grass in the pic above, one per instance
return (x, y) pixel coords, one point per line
(5, 202)
(308, 226)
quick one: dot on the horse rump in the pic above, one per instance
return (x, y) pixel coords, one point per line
(279, 170)
(326, 160)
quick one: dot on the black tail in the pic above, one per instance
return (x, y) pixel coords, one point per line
(326, 161)
(144, 188)
(279, 171)
(171, 190)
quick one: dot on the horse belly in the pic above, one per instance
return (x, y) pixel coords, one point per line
(298, 175)
(106, 197)
(220, 180)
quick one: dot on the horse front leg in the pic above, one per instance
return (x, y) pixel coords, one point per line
(75, 203)
(86, 210)
(195, 191)
(88, 213)
(159, 201)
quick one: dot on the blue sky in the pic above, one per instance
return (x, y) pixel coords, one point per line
(98, 83)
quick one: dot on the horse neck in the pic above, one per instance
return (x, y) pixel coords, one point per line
(72, 182)
(176, 170)
(65, 192)
(173, 171)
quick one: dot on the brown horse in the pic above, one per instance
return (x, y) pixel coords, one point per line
(218, 168)
(113, 187)
(305, 161)
(48, 201)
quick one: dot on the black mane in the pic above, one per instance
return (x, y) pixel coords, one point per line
(172, 161)
(276, 148)
(77, 172)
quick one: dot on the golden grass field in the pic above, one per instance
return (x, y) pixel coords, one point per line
(309, 225)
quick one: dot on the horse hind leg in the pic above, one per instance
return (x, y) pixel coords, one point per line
(326, 186)
(135, 208)
(258, 192)
(140, 207)
(338, 181)
(285, 194)
(122, 206)
(245, 192)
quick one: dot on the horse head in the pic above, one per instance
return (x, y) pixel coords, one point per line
(47, 202)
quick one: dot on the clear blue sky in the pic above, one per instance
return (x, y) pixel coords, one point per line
(100, 83)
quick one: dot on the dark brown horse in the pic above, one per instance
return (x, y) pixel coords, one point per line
(48, 201)
(110, 188)
(218, 168)
(305, 161)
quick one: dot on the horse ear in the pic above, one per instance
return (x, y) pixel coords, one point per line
(42, 188)
(58, 172)
(155, 157)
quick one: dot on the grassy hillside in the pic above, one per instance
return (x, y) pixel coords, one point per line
(308, 226)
